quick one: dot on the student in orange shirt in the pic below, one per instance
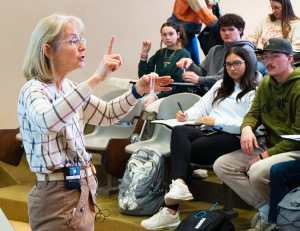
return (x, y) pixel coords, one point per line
(190, 14)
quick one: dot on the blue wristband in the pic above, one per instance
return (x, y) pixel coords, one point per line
(135, 94)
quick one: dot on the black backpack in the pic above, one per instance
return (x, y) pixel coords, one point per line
(211, 221)
(209, 38)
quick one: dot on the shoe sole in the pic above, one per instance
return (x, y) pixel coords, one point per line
(174, 201)
(164, 227)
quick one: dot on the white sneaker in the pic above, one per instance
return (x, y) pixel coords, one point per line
(200, 173)
(179, 192)
(260, 223)
(162, 220)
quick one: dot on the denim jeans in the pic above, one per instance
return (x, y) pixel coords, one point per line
(192, 47)
(282, 177)
(261, 67)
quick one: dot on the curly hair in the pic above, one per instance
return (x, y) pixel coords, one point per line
(232, 20)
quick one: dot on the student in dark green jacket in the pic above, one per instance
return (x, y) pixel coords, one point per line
(164, 60)
(276, 105)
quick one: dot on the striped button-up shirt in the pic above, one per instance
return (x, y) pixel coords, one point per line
(52, 122)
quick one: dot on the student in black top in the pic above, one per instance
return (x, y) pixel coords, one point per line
(163, 62)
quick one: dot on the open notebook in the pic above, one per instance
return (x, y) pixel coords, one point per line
(174, 122)
(291, 137)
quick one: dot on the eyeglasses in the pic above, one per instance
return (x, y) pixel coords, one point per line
(74, 41)
(271, 57)
(235, 64)
(276, 8)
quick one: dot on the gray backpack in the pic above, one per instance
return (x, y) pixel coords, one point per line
(142, 188)
(288, 218)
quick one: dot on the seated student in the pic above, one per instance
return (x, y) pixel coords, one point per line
(281, 23)
(226, 103)
(277, 107)
(164, 60)
(190, 14)
(211, 69)
(282, 177)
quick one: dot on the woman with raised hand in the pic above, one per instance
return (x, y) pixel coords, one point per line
(282, 22)
(165, 59)
(52, 112)
(225, 104)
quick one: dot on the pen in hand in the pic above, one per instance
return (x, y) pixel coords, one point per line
(180, 107)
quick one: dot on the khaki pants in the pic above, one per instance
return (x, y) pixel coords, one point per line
(253, 187)
(51, 206)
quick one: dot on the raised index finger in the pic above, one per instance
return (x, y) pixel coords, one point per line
(110, 46)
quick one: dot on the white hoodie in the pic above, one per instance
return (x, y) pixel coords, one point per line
(228, 112)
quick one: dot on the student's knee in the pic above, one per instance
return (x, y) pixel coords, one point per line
(256, 174)
(219, 165)
(179, 131)
(277, 171)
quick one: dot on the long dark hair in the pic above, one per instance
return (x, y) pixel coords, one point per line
(287, 16)
(182, 40)
(248, 82)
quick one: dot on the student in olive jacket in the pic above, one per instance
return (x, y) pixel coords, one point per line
(277, 106)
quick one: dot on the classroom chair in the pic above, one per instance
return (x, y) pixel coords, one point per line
(97, 141)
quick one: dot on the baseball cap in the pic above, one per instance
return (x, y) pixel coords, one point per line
(277, 44)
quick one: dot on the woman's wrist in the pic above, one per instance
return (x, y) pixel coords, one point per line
(144, 56)
(138, 89)
(135, 92)
(94, 81)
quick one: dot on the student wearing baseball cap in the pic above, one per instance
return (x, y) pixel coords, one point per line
(277, 106)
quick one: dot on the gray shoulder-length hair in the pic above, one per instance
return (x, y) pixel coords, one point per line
(50, 29)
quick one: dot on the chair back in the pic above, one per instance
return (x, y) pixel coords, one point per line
(11, 150)
(113, 94)
(169, 107)
(99, 138)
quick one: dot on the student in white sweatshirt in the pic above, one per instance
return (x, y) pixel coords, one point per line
(282, 22)
(225, 104)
